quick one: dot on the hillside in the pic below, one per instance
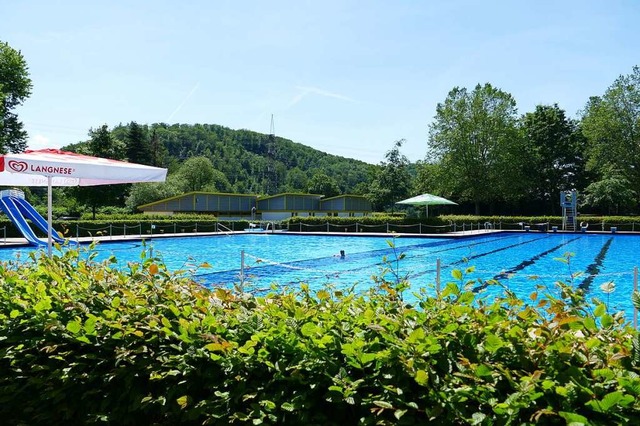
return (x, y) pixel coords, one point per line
(246, 158)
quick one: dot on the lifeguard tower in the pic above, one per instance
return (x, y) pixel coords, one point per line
(569, 204)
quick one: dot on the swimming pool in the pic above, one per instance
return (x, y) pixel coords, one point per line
(514, 259)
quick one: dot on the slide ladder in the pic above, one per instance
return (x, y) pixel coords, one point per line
(19, 210)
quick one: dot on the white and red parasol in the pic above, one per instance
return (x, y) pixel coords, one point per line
(53, 167)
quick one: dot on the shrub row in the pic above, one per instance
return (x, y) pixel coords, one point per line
(82, 343)
(88, 228)
(147, 225)
(597, 223)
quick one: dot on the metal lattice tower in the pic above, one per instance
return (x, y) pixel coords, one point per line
(272, 151)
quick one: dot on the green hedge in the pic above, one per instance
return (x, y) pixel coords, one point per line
(375, 223)
(88, 228)
(595, 223)
(82, 343)
(142, 224)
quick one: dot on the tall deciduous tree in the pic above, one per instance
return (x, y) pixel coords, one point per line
(15, 87)
(556, 157)
(138, 148)
(392, 180)
(198, 174)
(296, 181)
(475, 140)
(611, 124)
(144, 193)
(321, 183)
(612, 194)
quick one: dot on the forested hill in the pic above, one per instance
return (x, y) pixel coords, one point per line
(252, 162)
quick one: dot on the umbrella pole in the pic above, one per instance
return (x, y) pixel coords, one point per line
(49, 220)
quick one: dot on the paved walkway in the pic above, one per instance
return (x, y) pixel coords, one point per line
(21, 242)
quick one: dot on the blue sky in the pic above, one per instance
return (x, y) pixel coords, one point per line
(345, 77)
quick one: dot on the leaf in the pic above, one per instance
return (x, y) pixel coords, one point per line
(309, 329)
(287, 406)
(466, 298)
(422, 378)
(214, 347)
(74, 327)
(366, 358)
(115, 303)
(14, 313)
(90, 325)
(383, 404)
(574, 418)
(153, 269)
(608, 287)
(592, 343)
(416, 335)
(610, 400)
(166, 322)
(600, 310)
(323, 295)
(399, 413)
(457, 274)
(483, 370)
(493, 343)
(268, 405)
(478, 418)
(183, 401)
(568, 320)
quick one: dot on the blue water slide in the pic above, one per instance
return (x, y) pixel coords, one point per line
(8, 205)
(30, 213)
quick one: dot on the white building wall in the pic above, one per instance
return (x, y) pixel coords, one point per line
(275, 215)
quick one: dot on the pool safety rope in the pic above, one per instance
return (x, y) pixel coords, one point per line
(259, 260)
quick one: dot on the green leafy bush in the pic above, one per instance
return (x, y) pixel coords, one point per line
(82, 343)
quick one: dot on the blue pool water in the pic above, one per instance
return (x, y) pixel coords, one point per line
(518, 260)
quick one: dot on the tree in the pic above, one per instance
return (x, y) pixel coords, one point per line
(391, 181)
(145, 193)
(15, 87)
(138, 148)
(611, 124)
(198, 174)
(611, 194)
(103, 144)
(476, 143)
(320, 183)
(555, 148)
(427, 180)
(296, 180)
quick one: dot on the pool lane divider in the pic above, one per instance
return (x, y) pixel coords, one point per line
(594, 269)
(524, 264)
(271, 268)
(467, 259)
(275, 268)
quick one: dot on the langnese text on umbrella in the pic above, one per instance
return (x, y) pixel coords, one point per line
(21, 166)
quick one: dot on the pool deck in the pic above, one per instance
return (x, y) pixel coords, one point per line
(21, 242)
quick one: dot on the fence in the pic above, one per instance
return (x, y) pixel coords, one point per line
(150, 229)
